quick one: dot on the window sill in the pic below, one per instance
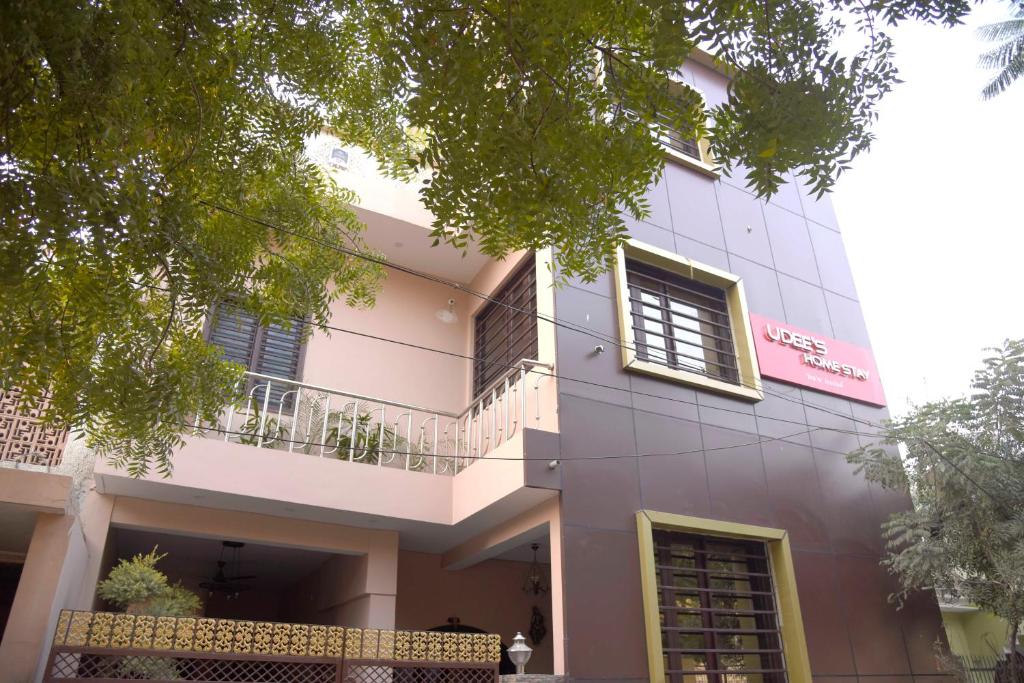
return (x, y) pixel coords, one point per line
(689, 162)
(696, 380)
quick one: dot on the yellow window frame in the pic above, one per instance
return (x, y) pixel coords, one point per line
(794, 643)
(707, 163)
(749, 385)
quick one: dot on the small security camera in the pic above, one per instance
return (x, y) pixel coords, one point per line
(451, 302)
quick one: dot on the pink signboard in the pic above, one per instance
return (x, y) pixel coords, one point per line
(814, 361)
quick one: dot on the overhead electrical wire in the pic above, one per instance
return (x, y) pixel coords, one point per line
(574, 327)
(558, 323)
(583, 330)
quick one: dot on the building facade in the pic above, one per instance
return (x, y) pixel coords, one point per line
(645, 474)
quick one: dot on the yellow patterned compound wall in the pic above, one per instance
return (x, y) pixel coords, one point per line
(229, 636)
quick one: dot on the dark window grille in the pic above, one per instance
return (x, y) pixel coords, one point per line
(265, 349)
(676, 141)
(719, 619)
(680, 323)
(668, 135)
(688, 147)
(505, 331)
(673, 139)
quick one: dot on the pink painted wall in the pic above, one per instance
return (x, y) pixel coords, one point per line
(488, 595)
(406, 309)
(211, 465)
(210, 468)
(326, 595)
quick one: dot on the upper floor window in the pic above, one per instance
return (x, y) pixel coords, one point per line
(505, 330)
(680, 322)
(677, 142)
(692, 151)
(718, 613)
(685, 321)
(264, 349)
(684, 147)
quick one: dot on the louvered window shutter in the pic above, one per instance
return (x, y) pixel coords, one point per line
(267, 350)
(279, 353)
(235, 332)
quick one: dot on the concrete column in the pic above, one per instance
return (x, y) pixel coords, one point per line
(557, 587)
(95, 521)
(27, 626)
(381, 585)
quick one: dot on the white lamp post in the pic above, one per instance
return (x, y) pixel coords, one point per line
(520, 653)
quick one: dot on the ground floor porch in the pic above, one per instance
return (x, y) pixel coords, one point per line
(120, 646)
(249, 568)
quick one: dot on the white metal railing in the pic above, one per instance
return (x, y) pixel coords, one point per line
(304, 418)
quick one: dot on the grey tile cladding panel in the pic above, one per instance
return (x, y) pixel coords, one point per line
(833, 265)
(723, 459)
(694, 206)
(805, 305)
(761, 285)
(791, 244)
(743, 221)
(649, 233)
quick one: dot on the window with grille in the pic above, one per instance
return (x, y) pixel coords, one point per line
(264, 349)
(719, 619)
(680, 323)
(668, 135)
(677, 142)
(505, 331)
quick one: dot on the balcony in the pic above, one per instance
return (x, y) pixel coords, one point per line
(24, 439)
(116, 647)
(306, 419)
(385, 417)
(300, 450)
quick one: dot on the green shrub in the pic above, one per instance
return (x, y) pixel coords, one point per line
(134, 581)
(137, 586)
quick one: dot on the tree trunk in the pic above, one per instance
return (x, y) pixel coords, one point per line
(1014, 659)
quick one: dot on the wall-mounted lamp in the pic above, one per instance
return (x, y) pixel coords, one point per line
(448, 315)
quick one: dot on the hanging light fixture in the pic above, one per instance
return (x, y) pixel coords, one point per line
(535, 582)
(220, 582)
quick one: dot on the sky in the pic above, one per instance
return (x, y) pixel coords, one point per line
(932, 216)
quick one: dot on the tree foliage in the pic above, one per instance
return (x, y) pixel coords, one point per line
(139, 138)
(964, 467)
(1008, 56)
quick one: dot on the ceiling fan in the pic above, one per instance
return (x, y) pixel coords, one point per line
(221, 582)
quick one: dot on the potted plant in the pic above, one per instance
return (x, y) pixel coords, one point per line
(138, 587)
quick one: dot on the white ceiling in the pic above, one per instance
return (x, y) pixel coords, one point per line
(410, 245)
